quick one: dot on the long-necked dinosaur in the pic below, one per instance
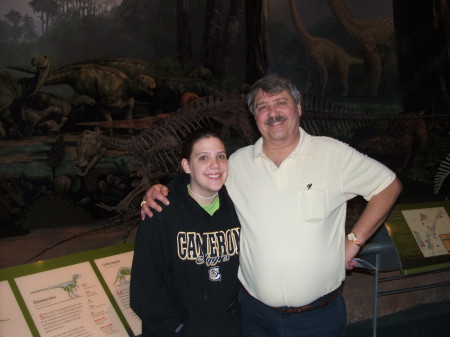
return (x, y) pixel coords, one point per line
(70, 287)
(374, 39)
(14, 90)
(323, 56)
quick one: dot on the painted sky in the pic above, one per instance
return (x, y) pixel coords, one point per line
(18, 5)
(312, 10)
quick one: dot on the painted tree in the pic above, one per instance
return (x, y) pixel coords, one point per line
(47, 10)
(233, 29)
(212, 33)
(220, 37)
(257, 63)
(29, 28)
(184, 38)
(423, 50)
(15, 18)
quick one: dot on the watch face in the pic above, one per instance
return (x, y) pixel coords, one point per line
(351, 236)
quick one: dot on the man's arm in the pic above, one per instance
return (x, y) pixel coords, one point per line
(374, 215)
(159, 192)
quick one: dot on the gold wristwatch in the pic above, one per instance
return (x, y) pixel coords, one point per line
(352, 238)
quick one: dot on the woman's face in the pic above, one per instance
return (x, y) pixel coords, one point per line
(207, 166)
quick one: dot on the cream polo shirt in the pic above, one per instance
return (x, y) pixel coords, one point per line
(293, 216)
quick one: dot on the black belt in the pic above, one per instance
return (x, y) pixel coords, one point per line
(324, 300)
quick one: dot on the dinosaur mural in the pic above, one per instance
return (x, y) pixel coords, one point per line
(46, 113)
(323, 56)
(70, 287)
(14, 90)
(442, 173)
(404, 140)
(374, 39)
(111, 89)
(167, 84)
(155, 151)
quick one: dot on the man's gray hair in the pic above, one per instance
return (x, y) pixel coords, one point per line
(272, 84)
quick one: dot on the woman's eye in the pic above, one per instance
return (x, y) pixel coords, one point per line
(222, 156)
(202, 158)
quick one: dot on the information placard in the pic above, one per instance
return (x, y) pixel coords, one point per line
(420, 235)
(82, 295)
(116, 271)
(69, 301)
(12, 322)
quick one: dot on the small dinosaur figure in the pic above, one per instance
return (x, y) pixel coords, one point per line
(45, 112)
(70, 287)
(15, 90)
(122, 273)
(323, 56)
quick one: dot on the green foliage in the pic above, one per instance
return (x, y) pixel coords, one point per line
(172, 65)
(231, 82)
(434, 153)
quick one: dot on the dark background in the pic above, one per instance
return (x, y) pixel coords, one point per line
(238, 41)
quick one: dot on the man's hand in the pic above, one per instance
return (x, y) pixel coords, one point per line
(158, 192)
(351, 250)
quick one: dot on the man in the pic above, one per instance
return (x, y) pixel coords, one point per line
(290, 191)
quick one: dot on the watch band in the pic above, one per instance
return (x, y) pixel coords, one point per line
(352, 238)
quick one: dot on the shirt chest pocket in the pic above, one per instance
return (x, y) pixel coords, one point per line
(313, 204)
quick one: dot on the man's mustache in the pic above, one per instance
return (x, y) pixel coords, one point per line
(275, 119)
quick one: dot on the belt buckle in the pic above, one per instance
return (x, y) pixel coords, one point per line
(298, 309)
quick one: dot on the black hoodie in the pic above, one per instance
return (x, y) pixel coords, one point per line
(185, 267)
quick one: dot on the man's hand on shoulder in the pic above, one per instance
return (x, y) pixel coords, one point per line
(158, 192)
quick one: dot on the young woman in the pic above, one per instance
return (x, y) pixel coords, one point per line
(184, 273)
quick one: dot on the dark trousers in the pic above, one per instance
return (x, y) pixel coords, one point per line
(260, 320)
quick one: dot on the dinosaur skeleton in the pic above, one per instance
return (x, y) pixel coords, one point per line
(156, 151)
(320, 117)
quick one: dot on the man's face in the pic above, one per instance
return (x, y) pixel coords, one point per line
(277, 115)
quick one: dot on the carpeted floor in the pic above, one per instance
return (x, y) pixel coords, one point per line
(427, 320)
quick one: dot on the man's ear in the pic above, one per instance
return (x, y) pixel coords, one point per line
(299, 109)
(185, 165)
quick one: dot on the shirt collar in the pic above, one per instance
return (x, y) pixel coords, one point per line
(303, 147)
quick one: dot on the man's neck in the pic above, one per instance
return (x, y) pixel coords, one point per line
(278, 151)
